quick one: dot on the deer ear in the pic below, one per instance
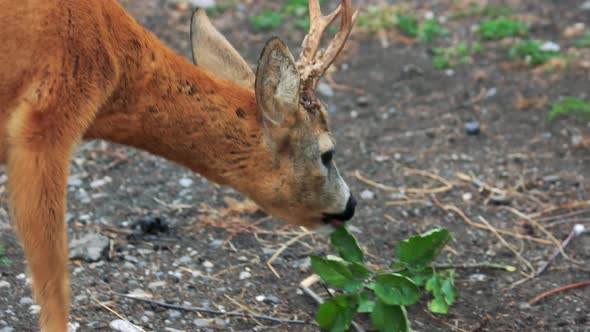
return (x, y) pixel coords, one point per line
(277, 84)
(213, 53)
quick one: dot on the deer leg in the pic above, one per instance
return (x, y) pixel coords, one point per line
(37, 184)
(40, 139)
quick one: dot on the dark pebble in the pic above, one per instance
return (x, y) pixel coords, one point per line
(472, 127)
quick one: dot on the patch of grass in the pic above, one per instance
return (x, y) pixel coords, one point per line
(431, 29)
(376, 18)
(502, 28)
(265, 20)
(408, 24)
(531, 53)
(221, 7)
(584, 41)
(4, 260)
(570, 105)
(496, 11)
(474, 9)
(449, 57)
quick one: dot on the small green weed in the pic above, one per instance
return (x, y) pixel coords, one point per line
(502, 28)
(4, 260)
(445, 58)
(266, 20)
(376, 18)
(431, 29)
(384, 293)
(584, 41)
(570, 105)
(474, 9)
(221, 7)
(531, 53)
(408, 24)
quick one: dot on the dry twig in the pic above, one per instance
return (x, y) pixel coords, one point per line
(114, 312)
(210, 311)
(447, 186)
(283, 248)
(557, 290)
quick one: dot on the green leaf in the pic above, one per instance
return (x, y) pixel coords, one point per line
(420, 250)
(438, 306)
(568, 105)
(338, 274)
(390, 318)
(408, 24)
(266, 20)
(395, 289)
(419, 277)
(366, 305)
(346, 245)
(336, 315)
(444, 292)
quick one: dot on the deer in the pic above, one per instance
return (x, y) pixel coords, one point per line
(77, 70)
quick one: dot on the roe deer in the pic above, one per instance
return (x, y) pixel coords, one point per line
(84, 69)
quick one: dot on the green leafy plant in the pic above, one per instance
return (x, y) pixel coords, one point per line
(570, 105)
(221, 7)
(266, 20)
(431, 29)
(3, 260)
(530, 52)
(384, 293)
(474, 9)
(449, 57)
(584, 41)
(408, 24)
(376, 18)
(501, 28)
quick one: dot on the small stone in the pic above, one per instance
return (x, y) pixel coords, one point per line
(577, 140)
(523, 305)
(207, 265)
(74, 181)
(156, 284)
(325, 90)
(272, 300)
(73, 327)
(367, 195)
(478, 277)
(260, 298)
(35, 309)
(585, 6)
(392, 110)
(467, 197)
(26, 301)
(184, 260)
(362, 101)
(90, 247)
(550, 46)
(220, 322)
(552, 178)
(472, 127)
(21, 276)
(202, 3)
(4, 284)
(354, 114)
(186, 182)
(123, 326)
(173, 314)
(245, 275)
(7, 329)
(202, 322)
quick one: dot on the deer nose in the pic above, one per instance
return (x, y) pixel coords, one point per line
(346, 215)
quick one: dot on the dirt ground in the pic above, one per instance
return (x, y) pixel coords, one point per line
(405, 114)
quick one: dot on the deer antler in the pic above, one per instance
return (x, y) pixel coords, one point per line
(312, 65)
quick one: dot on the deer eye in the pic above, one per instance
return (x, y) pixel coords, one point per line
(327, 157)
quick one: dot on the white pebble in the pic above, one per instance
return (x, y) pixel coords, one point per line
(186, 182)
(579, 229)
(123, 326)
(245, 275)
(367, 195)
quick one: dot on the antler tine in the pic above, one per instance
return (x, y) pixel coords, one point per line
(318, 23)
(348, 18)
(312, 65)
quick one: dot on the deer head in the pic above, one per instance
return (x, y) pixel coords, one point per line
(299, 180)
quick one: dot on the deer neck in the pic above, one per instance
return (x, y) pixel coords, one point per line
(167, 106)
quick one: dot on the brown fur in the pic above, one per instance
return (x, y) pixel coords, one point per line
(84, 69)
